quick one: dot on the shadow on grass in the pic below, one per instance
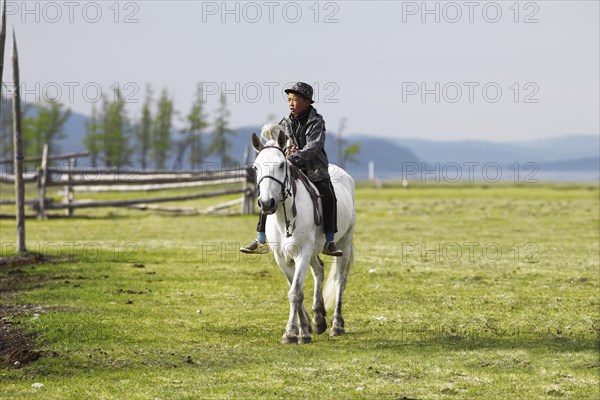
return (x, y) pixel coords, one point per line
(533, 340)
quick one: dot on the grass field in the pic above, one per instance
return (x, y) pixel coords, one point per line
(488, 292)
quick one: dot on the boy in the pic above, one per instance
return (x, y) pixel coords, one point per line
(306, 129)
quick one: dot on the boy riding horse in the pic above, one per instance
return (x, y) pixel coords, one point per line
(306, 130)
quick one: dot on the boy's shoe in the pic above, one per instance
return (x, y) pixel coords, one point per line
(255, 247)
(330, 249)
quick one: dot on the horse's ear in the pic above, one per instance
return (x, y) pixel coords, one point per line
(256, 143)
(281, 139)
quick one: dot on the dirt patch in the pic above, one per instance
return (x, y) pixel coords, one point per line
(17, 347)
(129, 291)
(16, 279)
(28, 259)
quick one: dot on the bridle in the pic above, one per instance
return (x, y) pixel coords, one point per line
(285, 191)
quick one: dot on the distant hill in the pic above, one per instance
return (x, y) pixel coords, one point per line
(565, 154)
(387, 156)
(566, 147)
(580, 164)
(75, 130)
(565, 158)
(384, 152)
(539, 151)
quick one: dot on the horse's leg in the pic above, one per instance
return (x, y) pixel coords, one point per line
(303, 316)
(288, 271)
(296, 297)
(291, 331)
(319, 324)
(337, 324)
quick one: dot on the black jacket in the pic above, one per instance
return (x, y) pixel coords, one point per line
(308, 134)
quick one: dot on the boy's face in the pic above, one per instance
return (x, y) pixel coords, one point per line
(297, 104)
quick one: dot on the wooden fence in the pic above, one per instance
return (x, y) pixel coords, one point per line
(75, 179)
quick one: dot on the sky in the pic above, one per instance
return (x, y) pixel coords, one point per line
(499, 71)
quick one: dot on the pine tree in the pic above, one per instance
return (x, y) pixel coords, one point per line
(45, 127)
(196, 123)
(115, 132)
(93, 136)
(220, 143)
(143, 130)
(161, 130)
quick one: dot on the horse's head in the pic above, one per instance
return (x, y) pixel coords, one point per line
(271, 172)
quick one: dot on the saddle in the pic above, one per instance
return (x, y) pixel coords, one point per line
(297, 175)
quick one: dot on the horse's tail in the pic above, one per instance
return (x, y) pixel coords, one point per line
(340, 267)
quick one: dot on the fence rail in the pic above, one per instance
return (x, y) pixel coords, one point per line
(78, 180)
(101, 179)
(66, 156)
(129, 202)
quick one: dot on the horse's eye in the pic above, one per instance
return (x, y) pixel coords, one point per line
(281, 164)
(254, 167)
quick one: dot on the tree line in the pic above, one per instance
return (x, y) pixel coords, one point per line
(151, 140)
(113, 138)
(45, 127)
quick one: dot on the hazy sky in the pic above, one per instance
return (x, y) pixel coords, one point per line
(436, 70)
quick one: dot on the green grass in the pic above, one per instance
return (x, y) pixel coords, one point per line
(457, 292)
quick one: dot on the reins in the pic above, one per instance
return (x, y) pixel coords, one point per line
(284, 193)
(297, 174)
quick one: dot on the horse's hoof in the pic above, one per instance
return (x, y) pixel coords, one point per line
(319, 328)
(336, 331)
(305, 340)
(289, 339)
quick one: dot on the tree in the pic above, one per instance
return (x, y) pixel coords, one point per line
(220, 143)
(349, 154)
(6, 127)
(115, 132)
(6, 130)
(272, 117)
(195, 124)
(346, 153)
(46, 126)
(161, 130)
(93, 136)
(143, 130)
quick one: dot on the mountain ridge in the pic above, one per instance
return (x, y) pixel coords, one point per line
(558, 153)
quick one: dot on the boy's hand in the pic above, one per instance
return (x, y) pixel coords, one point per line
(293, 149)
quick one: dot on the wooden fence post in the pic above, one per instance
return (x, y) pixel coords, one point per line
(248, 194)
(69, 194)
(42, 177)
(18, 152)
(2, 44)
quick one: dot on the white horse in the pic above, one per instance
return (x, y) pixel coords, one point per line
(296, 240)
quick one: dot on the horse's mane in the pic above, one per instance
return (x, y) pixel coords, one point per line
(270, 131)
